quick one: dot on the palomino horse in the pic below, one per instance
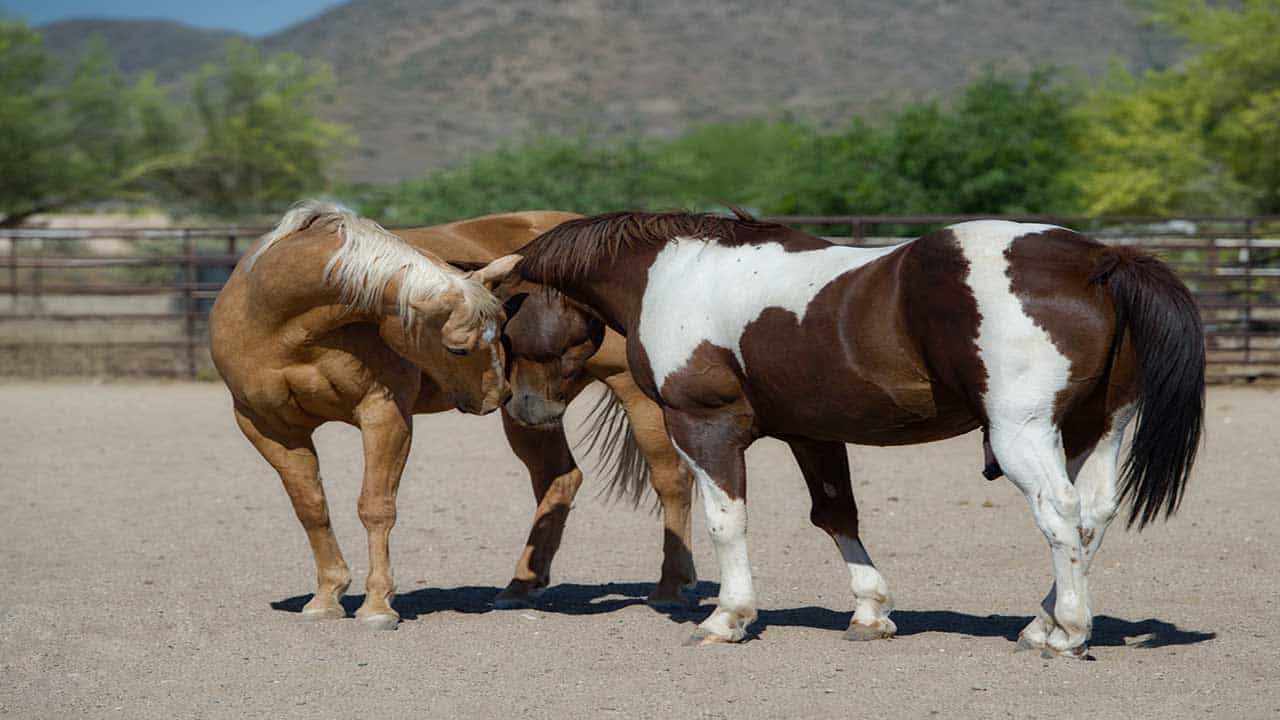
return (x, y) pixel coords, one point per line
(302, 335)
(1049, 341)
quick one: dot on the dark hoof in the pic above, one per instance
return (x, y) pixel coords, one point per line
(518, 598)
(668, 600)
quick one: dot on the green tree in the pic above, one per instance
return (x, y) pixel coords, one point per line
(1003, 146)
(263, 141)
(1201, 137)
(547, 174)
(95, 136)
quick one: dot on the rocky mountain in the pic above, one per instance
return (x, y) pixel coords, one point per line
(425, 83)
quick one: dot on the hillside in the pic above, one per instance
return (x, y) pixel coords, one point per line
(425, 83)
(168, 49)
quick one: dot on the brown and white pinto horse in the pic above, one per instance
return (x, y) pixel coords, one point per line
(333, 318)
(1047, 340)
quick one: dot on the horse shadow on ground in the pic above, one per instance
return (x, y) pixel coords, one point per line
(577, 599)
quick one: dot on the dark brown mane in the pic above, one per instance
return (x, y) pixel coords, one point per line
(573, 249)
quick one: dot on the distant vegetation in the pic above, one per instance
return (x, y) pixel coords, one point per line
(249, 140)
(1200, 137)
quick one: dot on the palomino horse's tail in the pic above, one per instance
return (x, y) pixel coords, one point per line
(1163, 323)
(609, 431)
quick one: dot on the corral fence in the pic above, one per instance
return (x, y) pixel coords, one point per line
(131, 302)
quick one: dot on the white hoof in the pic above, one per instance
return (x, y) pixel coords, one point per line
(330, 612)
(381, 621)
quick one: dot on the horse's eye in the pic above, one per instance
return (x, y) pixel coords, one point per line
(457, 351)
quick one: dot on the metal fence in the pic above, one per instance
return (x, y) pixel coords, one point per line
(136, 302)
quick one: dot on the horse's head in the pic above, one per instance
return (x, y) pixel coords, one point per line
(454, 336)
(549, 338)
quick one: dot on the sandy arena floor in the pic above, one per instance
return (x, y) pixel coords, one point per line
(153, 569)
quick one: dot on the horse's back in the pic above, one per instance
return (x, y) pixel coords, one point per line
(481, 240)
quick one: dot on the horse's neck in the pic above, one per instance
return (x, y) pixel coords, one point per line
(615, 295)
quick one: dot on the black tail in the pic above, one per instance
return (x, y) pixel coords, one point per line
(1163, 323)
(620, 456)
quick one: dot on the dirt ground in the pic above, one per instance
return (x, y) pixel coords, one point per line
(152, 569)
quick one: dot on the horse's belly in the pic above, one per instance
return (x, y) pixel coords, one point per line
(856, 410)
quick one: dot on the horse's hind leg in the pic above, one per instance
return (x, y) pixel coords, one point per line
(673, 484)
(1094, 471)
(556, 478)
(826, 471)
(1031, 454)
(295, 460)
(386, 430)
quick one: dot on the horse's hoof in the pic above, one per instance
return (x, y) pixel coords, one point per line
(330, 612)
(702, 638)
(1025, 643)
(879, 631)
(1079, 652)
(667, 600)
(381, 621)
(516, 599)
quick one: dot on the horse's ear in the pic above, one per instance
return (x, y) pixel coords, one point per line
(495, 272)
(513, 303)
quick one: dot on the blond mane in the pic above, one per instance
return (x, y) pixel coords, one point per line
(370, 256)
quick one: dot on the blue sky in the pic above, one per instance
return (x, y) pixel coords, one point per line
(254, 17)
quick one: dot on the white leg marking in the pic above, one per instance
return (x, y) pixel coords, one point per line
(872, 601)
(727, 526)
(683, 307)
(1095, 474)
(1033, 459)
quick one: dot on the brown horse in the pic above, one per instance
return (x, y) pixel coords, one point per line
(331, 318)
(1047, 340)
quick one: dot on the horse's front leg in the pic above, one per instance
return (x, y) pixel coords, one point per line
(713, 451)
(386, 429)
(555, 478)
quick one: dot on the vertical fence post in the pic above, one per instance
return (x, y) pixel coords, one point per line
(188, 297)
(1214, 298)
(1247, 262)
(13, 272)
(37, 277)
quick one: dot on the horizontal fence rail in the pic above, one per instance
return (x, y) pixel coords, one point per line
(136, 301)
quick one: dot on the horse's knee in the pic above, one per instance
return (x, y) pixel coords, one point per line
(377, 512)
(309, 506)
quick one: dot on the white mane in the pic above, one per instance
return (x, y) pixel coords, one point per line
(371, 256)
